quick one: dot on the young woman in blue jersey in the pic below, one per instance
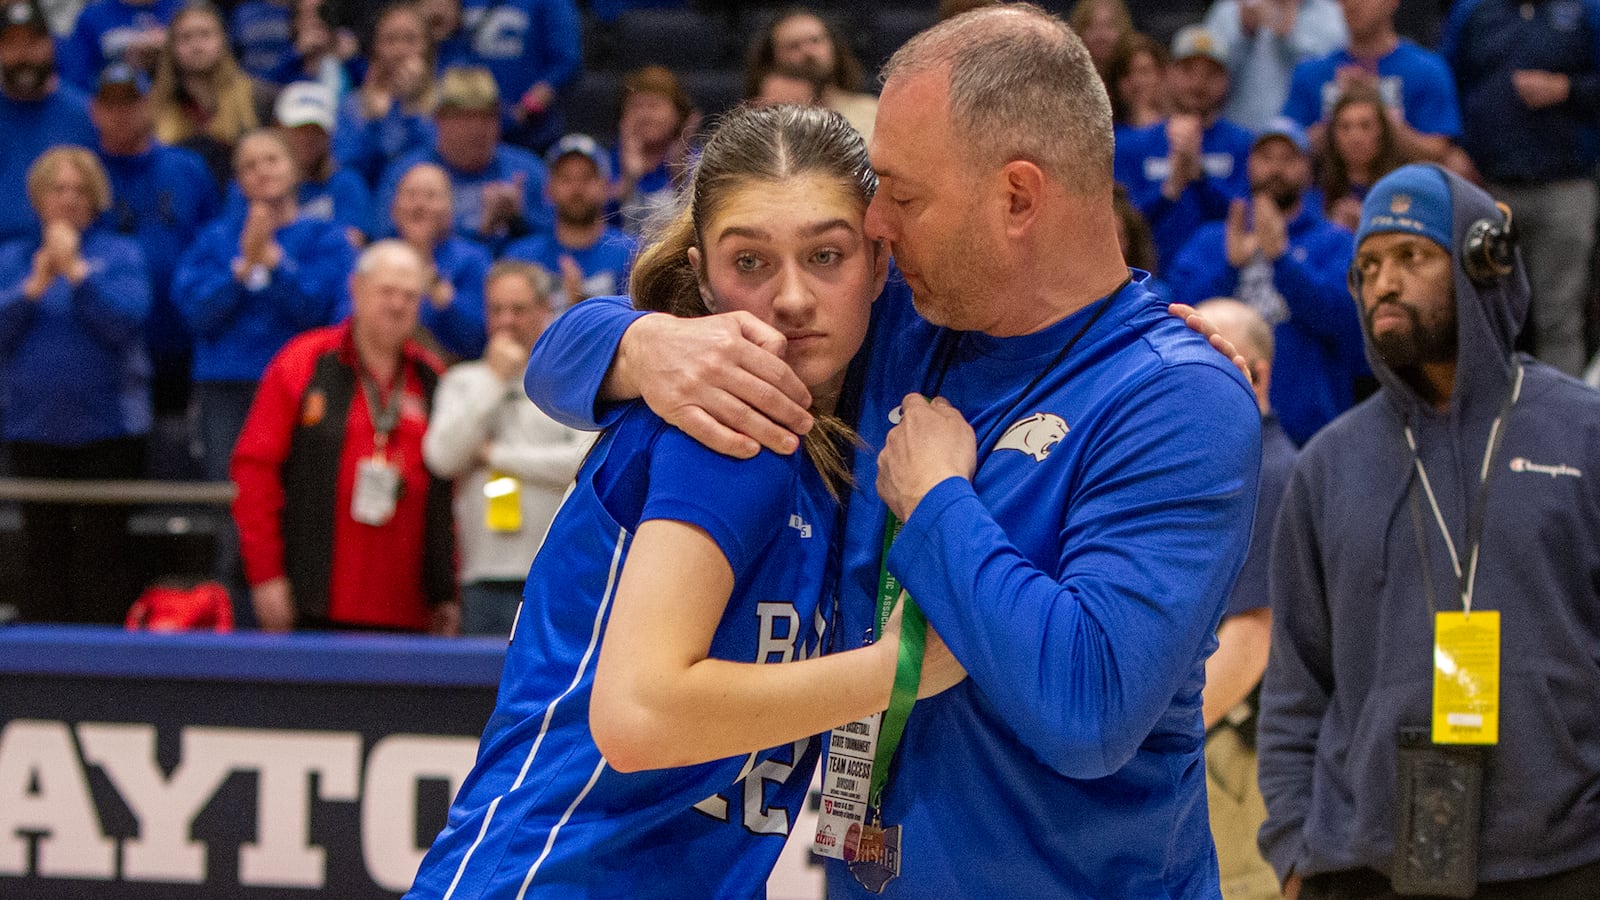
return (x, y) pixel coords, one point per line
(675, 622)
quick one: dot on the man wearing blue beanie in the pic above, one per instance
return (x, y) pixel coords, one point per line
(1428, 724)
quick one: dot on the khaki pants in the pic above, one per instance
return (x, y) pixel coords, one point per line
(1237, 812)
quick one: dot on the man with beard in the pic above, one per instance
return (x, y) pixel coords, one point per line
(1278, 255)
(590, 258)
(1428, 724)
(37, 111)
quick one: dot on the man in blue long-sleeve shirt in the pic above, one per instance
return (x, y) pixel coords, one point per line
(1528, 75)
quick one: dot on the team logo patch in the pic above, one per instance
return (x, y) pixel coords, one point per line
(1035, 435)
(313, 408)
(1400, 204)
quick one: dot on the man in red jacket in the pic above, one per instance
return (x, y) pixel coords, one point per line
(340, 523)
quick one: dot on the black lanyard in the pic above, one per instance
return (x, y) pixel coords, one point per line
(945, 352)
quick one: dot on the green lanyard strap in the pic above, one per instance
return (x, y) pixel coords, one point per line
(907, 670)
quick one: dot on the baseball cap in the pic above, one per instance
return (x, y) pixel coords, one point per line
(305, 103)
(25, 13)
(1412, 199)
(1286, 128)
(120, 81)
(580, 145)
(468, 89)
(1197, 40)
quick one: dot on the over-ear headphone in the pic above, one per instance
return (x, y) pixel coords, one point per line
(1488, 252)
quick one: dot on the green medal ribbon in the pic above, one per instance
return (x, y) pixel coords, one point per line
(907, 670)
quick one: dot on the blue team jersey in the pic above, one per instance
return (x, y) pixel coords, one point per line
(541, 810)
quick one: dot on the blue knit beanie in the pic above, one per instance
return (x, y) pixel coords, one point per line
(1413, 199)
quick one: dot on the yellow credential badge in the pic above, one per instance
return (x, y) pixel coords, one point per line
(502, 510)
(1466, 677)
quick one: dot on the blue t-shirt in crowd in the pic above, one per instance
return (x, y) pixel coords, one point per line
(263, 38)
(1142, 166)
(466, 192)
(1413, 80)
(161, 198)
(73, 368)
(523, 42)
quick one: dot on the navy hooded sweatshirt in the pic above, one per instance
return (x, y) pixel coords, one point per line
(1352, 641)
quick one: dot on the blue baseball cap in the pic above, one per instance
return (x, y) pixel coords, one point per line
(1412, 199)
(580, 145)
(1286, 128)
(120, 81)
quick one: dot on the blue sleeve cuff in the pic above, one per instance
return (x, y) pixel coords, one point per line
(923, 531)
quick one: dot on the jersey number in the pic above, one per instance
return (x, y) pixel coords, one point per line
(758, 817)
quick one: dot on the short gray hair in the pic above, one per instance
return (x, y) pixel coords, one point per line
(1257, 333)
(536, 277)
(1022, 86)
(379, 252)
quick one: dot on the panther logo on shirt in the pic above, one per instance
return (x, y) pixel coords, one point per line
(1035, 435)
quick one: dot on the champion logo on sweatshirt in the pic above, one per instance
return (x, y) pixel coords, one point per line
(1521, 464)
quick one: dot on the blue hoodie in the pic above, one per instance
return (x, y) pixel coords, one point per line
(72, 363)
(1352, 642)
(237, 330)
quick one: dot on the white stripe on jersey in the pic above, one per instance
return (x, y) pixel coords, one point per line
(549, 712)
(488, 817)
(551, 840)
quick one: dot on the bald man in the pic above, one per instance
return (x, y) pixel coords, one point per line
(340, 523)
(1234, 671)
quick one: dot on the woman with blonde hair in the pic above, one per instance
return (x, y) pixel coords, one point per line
(201, 98)
(74, 382)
